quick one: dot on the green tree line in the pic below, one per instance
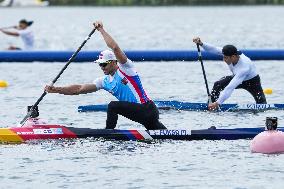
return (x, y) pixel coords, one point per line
(162, 2)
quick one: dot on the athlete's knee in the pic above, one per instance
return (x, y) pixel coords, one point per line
(154, 125)
(111, 120)
(160, 125)
(260, 99)
(110, 124)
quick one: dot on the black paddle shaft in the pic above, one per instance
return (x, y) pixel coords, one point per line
(57, 77)
(203, 71)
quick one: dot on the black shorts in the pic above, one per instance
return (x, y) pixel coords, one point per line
(253, 86)
(146, 114)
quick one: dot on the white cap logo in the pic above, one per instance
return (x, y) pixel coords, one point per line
(105, 56)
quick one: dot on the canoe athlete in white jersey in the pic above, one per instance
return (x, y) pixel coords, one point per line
(244, 75)
(122, 81)
(24, 32)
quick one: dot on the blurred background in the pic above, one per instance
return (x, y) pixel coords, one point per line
(153, 2)
(140, 25)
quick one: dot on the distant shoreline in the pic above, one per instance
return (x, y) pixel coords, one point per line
(164, 2)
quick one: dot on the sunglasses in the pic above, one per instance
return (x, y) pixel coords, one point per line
(105, 64)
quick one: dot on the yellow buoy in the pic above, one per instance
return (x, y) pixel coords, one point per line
(267, 91)
(3, 84)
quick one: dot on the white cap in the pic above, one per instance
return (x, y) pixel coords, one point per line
(105, 56)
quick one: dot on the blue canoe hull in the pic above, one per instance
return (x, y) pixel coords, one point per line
(177, 105)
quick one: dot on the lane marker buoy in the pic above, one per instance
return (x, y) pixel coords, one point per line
(3, 84)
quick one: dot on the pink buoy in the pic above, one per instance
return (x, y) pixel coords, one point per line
(268, 142)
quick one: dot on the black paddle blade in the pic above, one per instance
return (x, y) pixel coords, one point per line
(34, 111)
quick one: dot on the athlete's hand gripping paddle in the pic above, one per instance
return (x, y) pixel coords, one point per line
(57, 77)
